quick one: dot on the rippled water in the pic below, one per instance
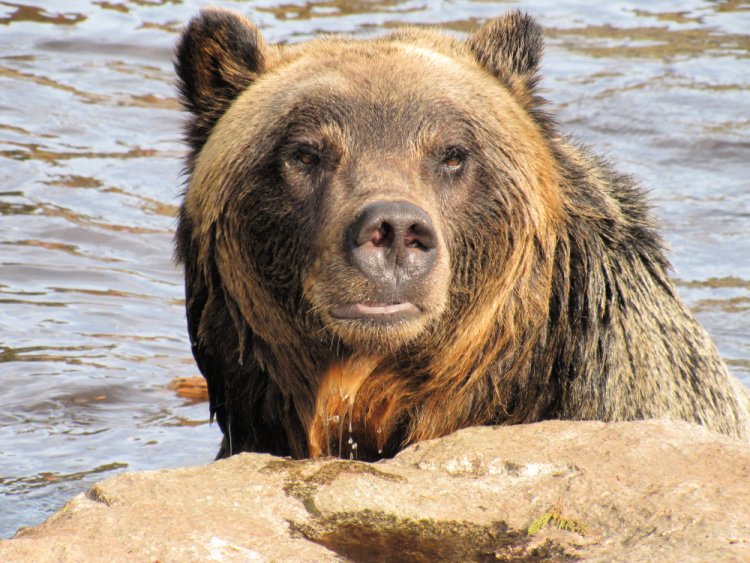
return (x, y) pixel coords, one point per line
(91, 315)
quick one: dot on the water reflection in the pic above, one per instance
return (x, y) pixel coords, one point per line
(656, 42)
(19, 486)
(23, 13)
(92, 325)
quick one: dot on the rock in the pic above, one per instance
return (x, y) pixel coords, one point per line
(636, 491)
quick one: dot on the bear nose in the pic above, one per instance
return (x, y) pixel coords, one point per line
(393, 243)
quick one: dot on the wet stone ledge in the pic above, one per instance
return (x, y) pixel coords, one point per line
(554, 491)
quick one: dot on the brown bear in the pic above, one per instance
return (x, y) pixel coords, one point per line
(387, 240)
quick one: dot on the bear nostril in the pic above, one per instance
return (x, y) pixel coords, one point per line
(419, 236)
(383, 236)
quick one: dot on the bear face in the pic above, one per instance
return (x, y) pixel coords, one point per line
(388, 239)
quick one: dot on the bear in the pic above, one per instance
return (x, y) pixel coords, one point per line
(386, 240)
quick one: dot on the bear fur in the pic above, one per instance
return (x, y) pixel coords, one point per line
(525, 280)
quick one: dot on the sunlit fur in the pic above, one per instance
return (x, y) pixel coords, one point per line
(550, 297)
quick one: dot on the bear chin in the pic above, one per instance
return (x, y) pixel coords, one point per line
(377, 327)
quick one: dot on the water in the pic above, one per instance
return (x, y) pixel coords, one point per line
(91, 314)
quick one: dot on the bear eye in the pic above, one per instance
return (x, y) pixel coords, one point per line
(307, 158)
(453, 159)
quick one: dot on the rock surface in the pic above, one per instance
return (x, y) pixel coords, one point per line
(640, 491)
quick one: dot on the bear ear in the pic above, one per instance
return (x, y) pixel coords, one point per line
(510, 47)
(219, 54)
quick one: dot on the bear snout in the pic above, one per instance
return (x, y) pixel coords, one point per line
(394, 244)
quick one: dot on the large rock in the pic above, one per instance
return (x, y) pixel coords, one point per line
(643, 491)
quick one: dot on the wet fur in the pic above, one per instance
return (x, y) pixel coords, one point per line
(556, 301)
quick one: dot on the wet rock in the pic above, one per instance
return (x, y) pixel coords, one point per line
(557, 491)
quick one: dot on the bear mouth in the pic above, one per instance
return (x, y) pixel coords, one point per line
(376, 312)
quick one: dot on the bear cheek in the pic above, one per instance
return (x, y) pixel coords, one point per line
(327, 277)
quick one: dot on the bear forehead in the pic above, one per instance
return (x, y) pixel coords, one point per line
(370, 87)
(383, 54)
(380, 69)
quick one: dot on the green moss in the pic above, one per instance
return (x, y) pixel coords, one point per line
(371, 535)
(558, 521)
(332, 470)
(303, 486)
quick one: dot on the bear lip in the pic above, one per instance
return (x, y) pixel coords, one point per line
(378, 311)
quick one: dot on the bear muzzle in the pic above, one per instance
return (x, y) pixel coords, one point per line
(394, 245)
